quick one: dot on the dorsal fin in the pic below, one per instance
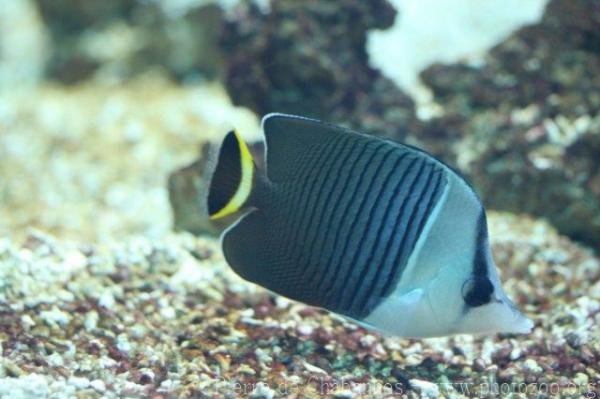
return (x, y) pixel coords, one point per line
(287, 137)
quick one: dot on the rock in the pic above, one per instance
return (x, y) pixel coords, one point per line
(305, 329)
(525, 127)
(55, 317)
(98, 385)
(67, 22)
(531, 366)
(425, 388)
(262, 391)
(300, 58)
(187, 195)
(79, 382)
(188, 191)
(118, 39)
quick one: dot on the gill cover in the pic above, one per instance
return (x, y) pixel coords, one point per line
(232, 181)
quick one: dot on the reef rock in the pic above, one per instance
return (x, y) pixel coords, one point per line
(301, 58)
(188, 189)
(526, 126)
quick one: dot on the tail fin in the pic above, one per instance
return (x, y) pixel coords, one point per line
(233, 178)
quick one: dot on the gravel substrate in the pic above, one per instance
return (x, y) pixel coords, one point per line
(101, 300)
(167, 318)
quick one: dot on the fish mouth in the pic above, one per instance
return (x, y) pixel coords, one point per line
(519, 323)
(522, 324)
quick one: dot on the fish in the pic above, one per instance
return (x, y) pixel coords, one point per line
(379, 232)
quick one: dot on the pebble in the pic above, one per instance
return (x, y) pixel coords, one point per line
(91, 321)
(425, 388)
(138, 331)
(74, 260)
(263, 356)
(123, 344)
(79, 382)
(148, 373)
(313, 368)
(106, 300)
(98, 385)
(368, 340)
(9, 367)
(55, 316)
(245, 369)
(27, 322)
(168, 313)
(262, 391)
(581, 379)
(29, 386)
(55, 360)
(532, 366)
(343, 394)
(305, 329)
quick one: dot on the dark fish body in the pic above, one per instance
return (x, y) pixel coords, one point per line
(356, 225)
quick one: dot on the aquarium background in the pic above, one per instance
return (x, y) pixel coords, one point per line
(112, 282)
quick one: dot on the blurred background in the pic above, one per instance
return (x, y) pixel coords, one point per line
(101, 101)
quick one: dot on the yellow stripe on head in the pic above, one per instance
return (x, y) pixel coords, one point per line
(245, 187)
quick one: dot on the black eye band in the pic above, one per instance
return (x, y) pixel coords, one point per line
(477, 291)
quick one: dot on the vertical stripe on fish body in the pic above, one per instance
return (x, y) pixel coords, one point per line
(357, 224)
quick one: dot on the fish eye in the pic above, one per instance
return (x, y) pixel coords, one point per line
(477, 291)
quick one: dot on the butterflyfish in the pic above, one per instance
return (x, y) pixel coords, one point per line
(380, 232)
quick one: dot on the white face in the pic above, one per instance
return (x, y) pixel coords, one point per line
(474, 305)
(439, 308)
(436, 294)
(495, 317)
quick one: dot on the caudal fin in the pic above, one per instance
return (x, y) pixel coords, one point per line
(233, 178)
